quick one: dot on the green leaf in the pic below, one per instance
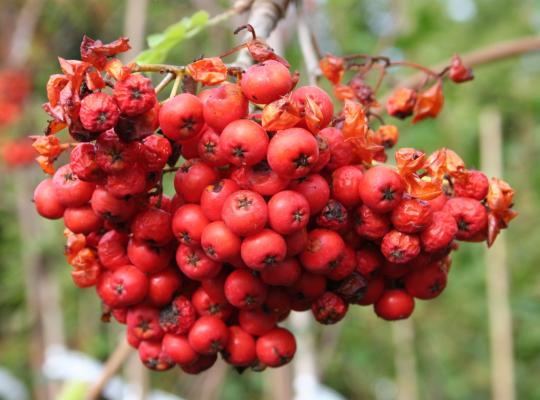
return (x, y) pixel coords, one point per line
(161, 43)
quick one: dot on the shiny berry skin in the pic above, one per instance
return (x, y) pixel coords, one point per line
(123, 287)
(243, 142)
(399, 247)
(470, 216)
(426, 283)
(438, 202)
(98, 112)
(153, 357)
(111, 208)
(440, 233)
(214, 195)
(162, 286)
(346, 185)
(323, 252)
(293, 152)
(202, 363)
(392, 270)
(276, 348)
(240, 349)
(296, 242)
(245, 212)
(195, 264)
(219, 242)
(244, 290)
(411, 216)
(263, 249)
(308, 286)
(475, 186)
(156, 150)
(341, 152)
(153, 226)
(70, 190)
(189, 149)
(346, 265)
(262, 179)
(223, 105)
(112, 249)
(82, 220)
(208, 335)
(368, 260)
(181, 118)
(113, 155)
(177, 348)
(178, 317)
(369, 224)
(266, 82)
(206, 305)
(188, 224)
(288, 212)
(192, 178)
(208, 148)
(127, 183)
(333, 216)
(134, 95)
(329, 308)
(373, 292)
(315, 189)
(394, 305)
(319, 97)
(82, 161)
(257, 322)
(46, 200)
(284, 273)
(381, 189)
(144, 322)
(325, 154)
(149, 258)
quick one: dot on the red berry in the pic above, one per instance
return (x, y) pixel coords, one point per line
(333, 216)
(346, 265)
(276, 348)
(296, 242)
(111, 208)
(346, 185)
(401, 102)
(123, 287)
(369, 224)
(208, 335)
(257, 322)
(341, 152)
(143, 321)
(192, 178)
(470, 216)
(134, 95)
(394, 304)
(315, 189)
(206, 305)
(178, 317)
(240, 349)
(266, 82)
(320, 98)
(203, 363)
(263, 249)
(219, 242)
(208, 148)
(162, 286)
(113, 155)
(181, 118)
(147, 257)
(82, 220)
(195, 264)
(46, 200)
(177, 348)
(353, 288)
(381, 189)
(411, 215)
(82, 161)
(368, 260)
(245, 212)
(112, 249)
(214, 195)
(475, 186)
(153, 357)
(329, 308)
(373, 292)
(426, 283)
(288, 212)
(98, 112)
(262, 179)
(188, 224)
(156, 150)
(399, 247)
(223, 105)
(440, 233)
(243, 142)
(127, 183)
(308, 286)
(70, 190)
(284, 273)
(293, 152)
(323, 252)
(244, 290)
(153, 226)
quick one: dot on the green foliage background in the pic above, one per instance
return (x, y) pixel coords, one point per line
(452, 343)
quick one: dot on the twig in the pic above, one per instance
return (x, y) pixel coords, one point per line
(176, 85)
(113, 364)
(164, 82)
(311, 60)
(24, 32)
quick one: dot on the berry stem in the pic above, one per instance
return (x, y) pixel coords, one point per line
(164, 82)
(176, 85)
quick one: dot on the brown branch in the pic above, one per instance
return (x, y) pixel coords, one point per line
(486, 55)
(113, 364)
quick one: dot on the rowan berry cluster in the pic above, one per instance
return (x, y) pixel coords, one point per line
(279, 210)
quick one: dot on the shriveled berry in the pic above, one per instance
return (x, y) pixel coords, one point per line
(400, 247)
(134, 95)
(329, 308)
(98, 112)
(178, 317)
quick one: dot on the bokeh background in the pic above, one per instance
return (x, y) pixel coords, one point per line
(444, 352)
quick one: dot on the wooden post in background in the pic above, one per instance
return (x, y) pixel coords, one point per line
(500, 318)
(405, 359)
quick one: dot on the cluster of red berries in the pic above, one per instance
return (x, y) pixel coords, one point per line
(274, 212)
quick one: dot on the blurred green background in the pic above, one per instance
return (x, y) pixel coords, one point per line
(451, 337)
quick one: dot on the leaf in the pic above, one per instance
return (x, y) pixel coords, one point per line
(409, 161)
(260, 52)
(356, 131)
(429, 103)
(117, 70)
(208, 71)
(344, 92)
(280, 114)
(444, 162)
(312, 115)
(96, 53)
(332, 68)
(55, 84)
(162, 43)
